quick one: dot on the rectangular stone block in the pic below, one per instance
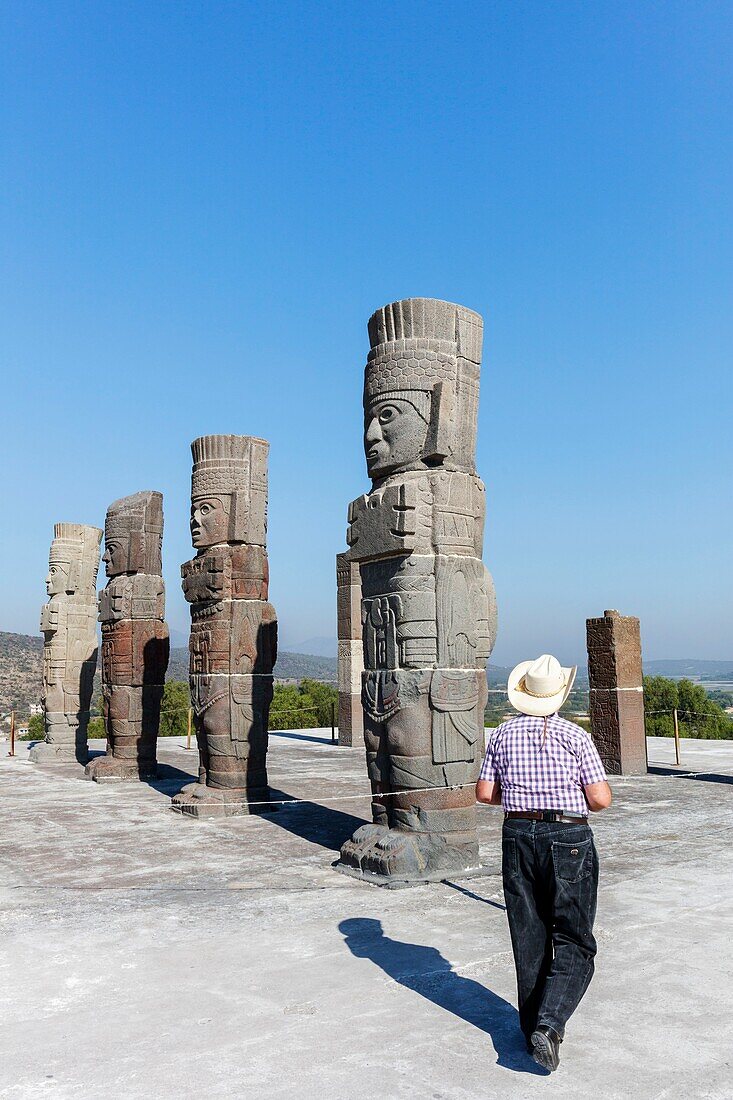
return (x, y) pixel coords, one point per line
(350, 666)
(616, 692)
(350, 720)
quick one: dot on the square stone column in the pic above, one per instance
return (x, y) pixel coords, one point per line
(350, 652)
(616, 692)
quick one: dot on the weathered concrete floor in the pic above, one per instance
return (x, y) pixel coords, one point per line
(146, 955)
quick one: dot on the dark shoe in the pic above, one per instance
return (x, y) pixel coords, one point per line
(546, 1047)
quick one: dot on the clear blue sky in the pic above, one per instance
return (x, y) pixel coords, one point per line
(203, 203)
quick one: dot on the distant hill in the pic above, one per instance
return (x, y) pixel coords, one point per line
(20, 672)
(313, 647)
(290, 666)
(692, 669)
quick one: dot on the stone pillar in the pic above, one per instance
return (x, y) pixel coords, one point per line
(69, 628)
(428, 609)
(233, 644)
(616, 693)
(135, 643)
(350, 652)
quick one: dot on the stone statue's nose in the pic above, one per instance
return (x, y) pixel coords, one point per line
(373, 433)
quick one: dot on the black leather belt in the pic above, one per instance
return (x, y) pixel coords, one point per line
(547, 815)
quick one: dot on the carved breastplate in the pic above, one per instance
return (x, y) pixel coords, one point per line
(440, 512)
(237, 572)
(141, 596)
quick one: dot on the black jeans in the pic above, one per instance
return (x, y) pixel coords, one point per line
(550, 874)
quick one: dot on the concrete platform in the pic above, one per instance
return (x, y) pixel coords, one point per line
(145, 955)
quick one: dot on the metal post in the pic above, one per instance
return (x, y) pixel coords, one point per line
(676, 737)
(333, 723)
(188, 733)
(12, 733)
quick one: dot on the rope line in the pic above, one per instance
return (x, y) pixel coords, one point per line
(314, 800)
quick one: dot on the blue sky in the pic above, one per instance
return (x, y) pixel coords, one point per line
(204, 202)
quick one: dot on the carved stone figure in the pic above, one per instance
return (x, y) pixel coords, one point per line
(69, 628)
(428, 608)
(233, 644)
(135, 643)
(617, 693)
(350, 651)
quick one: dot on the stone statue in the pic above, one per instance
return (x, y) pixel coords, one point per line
(69, 628)
(428, 608)
(233, 644)
(135, 644)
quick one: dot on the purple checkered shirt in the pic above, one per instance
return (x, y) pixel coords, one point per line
(542, 776)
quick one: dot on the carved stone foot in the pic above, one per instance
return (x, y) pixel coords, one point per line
(396, 853)
(401, 857)
(354, 850)
(46, 752)
(109, 769)
(198, 800)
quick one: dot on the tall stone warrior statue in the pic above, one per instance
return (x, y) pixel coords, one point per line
(233, 644)
(135, 643)
(69, 628)
(428, 607)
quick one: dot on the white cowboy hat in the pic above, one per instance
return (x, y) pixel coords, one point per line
(540, 687)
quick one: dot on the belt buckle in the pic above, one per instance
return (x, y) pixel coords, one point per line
(551, 815)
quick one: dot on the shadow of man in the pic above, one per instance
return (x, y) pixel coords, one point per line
(425, 971)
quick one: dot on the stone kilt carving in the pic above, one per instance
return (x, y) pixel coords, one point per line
(428, 607)
(69, 628)
(233, 643)
(135, 643)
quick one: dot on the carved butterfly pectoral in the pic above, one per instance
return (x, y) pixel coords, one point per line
(384, 692)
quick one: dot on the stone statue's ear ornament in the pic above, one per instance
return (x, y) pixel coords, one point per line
(437, 445)
(238, 517)
(74, 579)
(135, 551)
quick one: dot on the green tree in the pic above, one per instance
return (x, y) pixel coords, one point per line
(96, 727)
(660, 699)
(698, 714)
(722, 698)
(36, 731)
(174, 709)
(306, 705)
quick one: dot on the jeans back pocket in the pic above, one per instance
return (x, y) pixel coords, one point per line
(572, 860)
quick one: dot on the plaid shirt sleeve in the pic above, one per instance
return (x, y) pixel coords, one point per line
(489, 771)
(591, 767)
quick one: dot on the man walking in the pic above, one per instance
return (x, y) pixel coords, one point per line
(546, 774)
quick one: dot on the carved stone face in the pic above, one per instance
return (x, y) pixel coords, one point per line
(57, 579)
(395, 431)
(210, 520)
(116, 555)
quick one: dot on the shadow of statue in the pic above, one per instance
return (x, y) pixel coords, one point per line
(293, 736)
(425, 971)
(317, 824)
(170, 779)
(705, 777)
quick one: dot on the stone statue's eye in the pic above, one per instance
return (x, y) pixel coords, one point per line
(386, 414)
(205, 509)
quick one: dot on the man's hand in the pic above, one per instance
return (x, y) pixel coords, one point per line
(598, 796)
(488, 792)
